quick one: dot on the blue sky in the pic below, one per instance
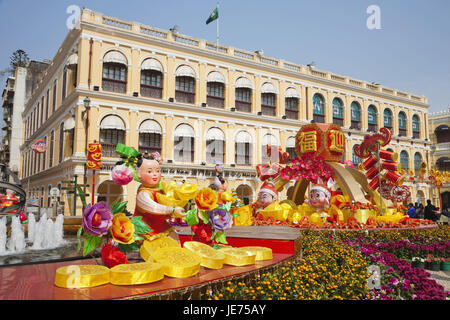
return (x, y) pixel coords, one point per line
(409, 53)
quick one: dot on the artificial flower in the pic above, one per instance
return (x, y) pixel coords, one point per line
(122, 229)
(122, 175)
(206, 199)
(202, 233)
(97, 219)
(221, 219)
(112, 256)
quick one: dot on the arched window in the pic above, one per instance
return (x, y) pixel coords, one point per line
(291, 100)
(243, 148)
(215, 90)
(52, 142)
(114, 72)
(402, 124)
(184, 142)
(355, 111)
(443, 164)
(318, 108)
(243, 95)
(442, 133)
(185, 84)
(271, 140)
(151, 79)
(150, 137)
(355, 159)
(244, 193)
(417, 161)
(268, 99)
(387, 114)
(61, 142)
(338, 112)
(112, 132)
(404, 160)
(290, 147)
(215, 146)
(416, 126)
(372, 118)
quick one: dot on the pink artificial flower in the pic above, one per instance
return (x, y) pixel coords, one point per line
(122, 175)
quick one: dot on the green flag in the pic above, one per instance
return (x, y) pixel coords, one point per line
(213, 16)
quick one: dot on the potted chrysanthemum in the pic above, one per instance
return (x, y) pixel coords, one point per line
(445, 264)
(418, 262)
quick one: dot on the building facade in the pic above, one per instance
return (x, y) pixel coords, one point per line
(440, 151)
(196, 104)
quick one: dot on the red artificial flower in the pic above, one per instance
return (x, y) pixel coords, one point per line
(112, 256)
(203, 233)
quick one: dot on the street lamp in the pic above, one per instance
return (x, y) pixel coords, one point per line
(87, 106)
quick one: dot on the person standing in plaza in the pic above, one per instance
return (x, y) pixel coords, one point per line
(411, 211)
(420, 211)
(431, 212)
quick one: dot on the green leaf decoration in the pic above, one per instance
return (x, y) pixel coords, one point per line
(227, 206)
(118, 208)
(220, 237)
(140, 226)
(82, 196)
(191, 217)
(215, 246)
(79, 238)
(112, 205)
(137, 238)
(235, 215)
(91, 243)
(128, 247)
(204, 216)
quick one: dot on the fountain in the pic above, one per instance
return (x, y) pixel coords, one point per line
(44, 234)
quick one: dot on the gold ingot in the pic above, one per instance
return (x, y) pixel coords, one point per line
(244, 217)
(291, 204)
(316, 219)
(178, 262)
(262, 253)
(170, 202)
(148, 248)
(390, 211)
(238, 257)
(362, 215)
(295, 216)
(136, 273)
(334, 211)
(81, 276)
(210, 258)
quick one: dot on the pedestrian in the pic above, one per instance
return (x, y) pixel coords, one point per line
(420, 211)
(431, 212)
(411, 211)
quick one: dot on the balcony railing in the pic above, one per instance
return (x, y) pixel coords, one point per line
(184, 97)
(216, 102)
(243, 106)
(151, 91)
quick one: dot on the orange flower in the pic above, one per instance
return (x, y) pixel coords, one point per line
(206, 199)
(122, 229)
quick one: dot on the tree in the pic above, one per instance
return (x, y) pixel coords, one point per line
(19, 58)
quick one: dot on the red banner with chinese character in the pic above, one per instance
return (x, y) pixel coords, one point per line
(94, 157)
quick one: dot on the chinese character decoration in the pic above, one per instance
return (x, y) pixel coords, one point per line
(94, 159)
(321, 140)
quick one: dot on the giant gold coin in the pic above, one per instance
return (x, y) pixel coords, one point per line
(81, 276)
(178, 262)
(262, 253)
(148, 248)
(136, 273)
(210, 258)
(238, 256)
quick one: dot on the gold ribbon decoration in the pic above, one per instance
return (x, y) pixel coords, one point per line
(136, 273)
(81, 276)
(210, 258)
(262, 253)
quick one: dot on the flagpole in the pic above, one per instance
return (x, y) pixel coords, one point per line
(217, 40)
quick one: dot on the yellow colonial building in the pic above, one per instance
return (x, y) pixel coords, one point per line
(196, 104)
(440, 151)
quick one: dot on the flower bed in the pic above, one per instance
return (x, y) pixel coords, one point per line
(335, 266)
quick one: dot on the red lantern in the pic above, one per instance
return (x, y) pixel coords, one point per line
(94, 156)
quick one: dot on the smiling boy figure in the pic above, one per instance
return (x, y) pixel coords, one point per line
(155, 215)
